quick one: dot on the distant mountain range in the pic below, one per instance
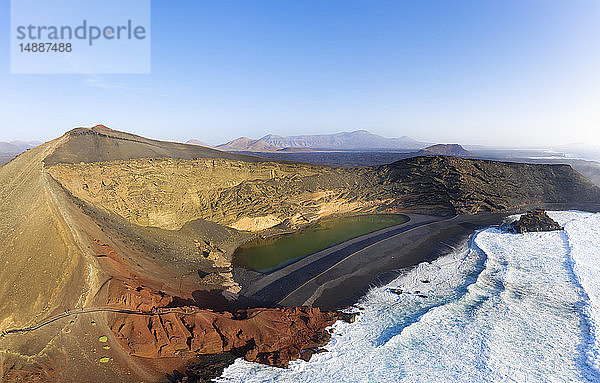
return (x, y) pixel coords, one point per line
(357, 141)
(360, 140)
(9, 150)
(245, 144)
(16, 147)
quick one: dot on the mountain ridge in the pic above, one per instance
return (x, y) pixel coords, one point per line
(199, 143)
(245, 144)
(104, 144)
(9, 150)
(355, 140)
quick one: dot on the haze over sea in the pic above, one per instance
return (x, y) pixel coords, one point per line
(505, 307)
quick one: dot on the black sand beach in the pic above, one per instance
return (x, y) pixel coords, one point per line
(338, 276)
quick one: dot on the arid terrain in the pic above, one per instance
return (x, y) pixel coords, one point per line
(130, 241)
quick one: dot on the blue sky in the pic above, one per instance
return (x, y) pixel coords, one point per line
(504, 72)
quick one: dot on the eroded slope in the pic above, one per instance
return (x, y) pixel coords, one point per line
(255, 196)
(104, 144)
(467, 186)
(247, 196)
(42, 268)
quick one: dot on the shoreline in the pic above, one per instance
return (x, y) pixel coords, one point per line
(434, 245)
(263, 239)
(333, 298)
(467, 299)
(339, 276)
(433, 242)
(349, 280)
(428, 244)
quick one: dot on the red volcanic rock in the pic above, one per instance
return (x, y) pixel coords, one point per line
(126, 291)
(136, 297)
(269, 336)
(156, 329)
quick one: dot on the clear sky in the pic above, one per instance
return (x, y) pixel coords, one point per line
(500, 72)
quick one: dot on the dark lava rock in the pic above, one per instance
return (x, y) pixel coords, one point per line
(445, 150)
(534, 221)
(309, 352)
(204, 370)
(347, 317)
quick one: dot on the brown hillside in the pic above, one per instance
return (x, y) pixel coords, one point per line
(103, 144)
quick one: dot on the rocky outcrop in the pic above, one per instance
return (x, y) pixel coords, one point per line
(535, 221)
(445, 150)
(269, 336)
(150, 323)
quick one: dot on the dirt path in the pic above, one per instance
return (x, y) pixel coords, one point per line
(159, 311)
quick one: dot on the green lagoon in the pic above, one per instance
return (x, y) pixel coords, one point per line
(268, 254)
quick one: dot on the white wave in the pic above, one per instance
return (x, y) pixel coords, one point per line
(507, 308)
(583, 235)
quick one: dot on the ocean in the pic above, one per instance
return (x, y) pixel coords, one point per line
(503, 308)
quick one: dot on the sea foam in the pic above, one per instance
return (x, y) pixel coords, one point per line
(505, 307)
(583, 236)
